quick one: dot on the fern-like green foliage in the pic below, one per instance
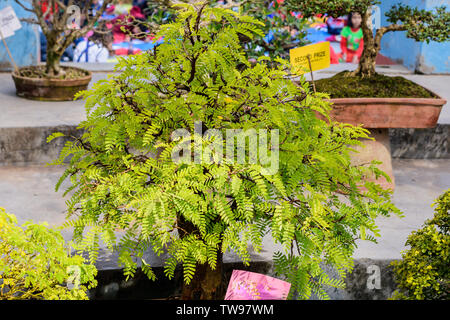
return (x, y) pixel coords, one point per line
(423, 273)
(36, 263)
(123, 177)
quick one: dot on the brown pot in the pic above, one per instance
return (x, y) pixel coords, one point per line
(49, 89)
(388, 112)
(379, 114)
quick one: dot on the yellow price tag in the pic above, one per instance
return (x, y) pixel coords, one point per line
(318, 53)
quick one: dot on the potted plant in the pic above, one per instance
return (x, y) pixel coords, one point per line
(37, 264)
(374, 100)
(60, 23)
(138, 167)
(423, 272)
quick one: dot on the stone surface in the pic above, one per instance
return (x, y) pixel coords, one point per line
(19, 112)
(430, 143)
(370, 280)
(28, 145)
(418, 184)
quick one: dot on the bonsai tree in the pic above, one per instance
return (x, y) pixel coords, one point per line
(423, 273)
(421, 25)
(55, 19)
(35, 263)
(137, 167)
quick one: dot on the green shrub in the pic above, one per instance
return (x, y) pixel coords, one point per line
(35, 263)
(123, 176)
(424, 271)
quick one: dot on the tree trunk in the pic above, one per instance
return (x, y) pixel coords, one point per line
(207, 283)
(367, 63)
(52, 67)
(366, 67)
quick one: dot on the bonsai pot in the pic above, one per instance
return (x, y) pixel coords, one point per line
(378, 115)
(388, 112)
(51, 89)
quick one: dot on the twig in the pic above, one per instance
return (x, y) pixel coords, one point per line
(310, 68)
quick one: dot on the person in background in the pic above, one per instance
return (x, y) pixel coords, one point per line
(352, 40)
(91, 49)
(143, 5)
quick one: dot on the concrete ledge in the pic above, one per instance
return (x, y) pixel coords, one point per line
(359, 283)
(93, 67)
(22, 146)
(28, 145)
(421, 143)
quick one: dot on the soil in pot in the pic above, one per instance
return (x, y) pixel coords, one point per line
(32, 83)
(342, 85)
(38, 72)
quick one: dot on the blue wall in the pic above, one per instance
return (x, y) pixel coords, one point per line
(427, 58)
(23, 44)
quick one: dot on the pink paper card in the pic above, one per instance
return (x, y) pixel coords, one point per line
(246, 285)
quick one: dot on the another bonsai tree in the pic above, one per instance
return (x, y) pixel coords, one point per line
(423, 273)
(55, 19)
(133, 169)
(35, 263)
(421, 25)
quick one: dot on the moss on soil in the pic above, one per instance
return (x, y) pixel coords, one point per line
(379, 86)
(39, 72)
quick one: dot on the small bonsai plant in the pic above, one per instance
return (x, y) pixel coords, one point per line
(423, 273)
(53, 17)
(132, 170)
(36, 263)
(58, 21)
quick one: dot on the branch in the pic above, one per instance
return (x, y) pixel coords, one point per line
(29, 20)
(23, 6)
(383, 30)
(40, 16)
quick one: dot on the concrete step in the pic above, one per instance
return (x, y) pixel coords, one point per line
(26, 124)
(28, 145)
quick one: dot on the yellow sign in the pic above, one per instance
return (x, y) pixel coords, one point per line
(319, 55)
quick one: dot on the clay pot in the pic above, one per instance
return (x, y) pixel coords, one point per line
(388, 112)
(380, 114)
(50, 89)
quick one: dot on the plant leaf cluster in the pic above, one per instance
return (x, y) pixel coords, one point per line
(128, 193)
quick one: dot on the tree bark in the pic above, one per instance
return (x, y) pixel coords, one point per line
(54, 54)
(52, 67)
(372, 46)
(207, 283)
(366, 67)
